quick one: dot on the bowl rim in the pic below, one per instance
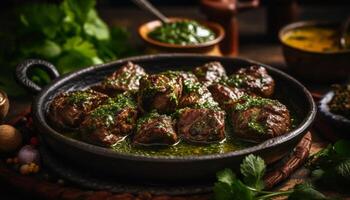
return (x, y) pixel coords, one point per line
(324, 108)
(215, 27)
(42, 123)
(307, 23)
(3, 97)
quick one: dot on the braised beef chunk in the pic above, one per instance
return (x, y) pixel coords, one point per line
(126, 78)
(227, 97)
(111, 121)
(258, 119)
(155, 129)
(194, 95)
(254, 80)
(160, 92)
(210, 73)
(201, 125)
(68, 110)
(188, 76)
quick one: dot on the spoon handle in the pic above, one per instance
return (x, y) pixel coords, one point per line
(144, 4)
(343, 32)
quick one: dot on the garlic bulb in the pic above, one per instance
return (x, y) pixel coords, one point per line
(28, 154)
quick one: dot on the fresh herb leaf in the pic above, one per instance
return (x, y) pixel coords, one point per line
(343, 169)
(253, 170)
(342, 147)
(70, 35)
(95, 27)
(78, 9)
(229, 187)
(305, 191)
(226, 176)
(223, 191)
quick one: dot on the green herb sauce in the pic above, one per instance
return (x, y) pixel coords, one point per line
(146, 118)
(79, 97)
(108, 110)
(191, 86)
(257, 126)
(235, 80)
(250, 101)
(183, 33)
(181, 149)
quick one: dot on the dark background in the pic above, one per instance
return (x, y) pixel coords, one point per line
(182, 2)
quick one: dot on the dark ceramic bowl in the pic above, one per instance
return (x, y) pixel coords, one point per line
(161, 168)
(315, 66)
(338, 125)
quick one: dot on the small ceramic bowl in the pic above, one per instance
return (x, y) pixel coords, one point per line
(315, 66)
(4, 105)
(331, 125)
(154, 46)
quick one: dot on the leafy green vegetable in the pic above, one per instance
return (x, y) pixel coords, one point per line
(331, 167)
(305, 191)
(71, 35)
(229, 187)
(342, 147)
(253, 170)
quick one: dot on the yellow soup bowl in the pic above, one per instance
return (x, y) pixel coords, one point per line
(312, 52)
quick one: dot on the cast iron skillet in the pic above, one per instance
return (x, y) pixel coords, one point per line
(104, 161)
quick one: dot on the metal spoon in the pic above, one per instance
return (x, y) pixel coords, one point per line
(144, 4)
(343, 31)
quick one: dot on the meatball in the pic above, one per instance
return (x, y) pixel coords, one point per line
(210, 73)
(254, 80)
(201, 125)
(258, 119)
(155, 129)
(126, 78)
(227, 97)
(110, 122)
(68, 110)
(160, 92)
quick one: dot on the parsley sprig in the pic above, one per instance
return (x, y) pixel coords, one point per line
(331, 167)
(251, 187)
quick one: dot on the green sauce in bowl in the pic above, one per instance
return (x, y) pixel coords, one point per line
(186, 32)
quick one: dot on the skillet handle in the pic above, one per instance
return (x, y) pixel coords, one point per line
(22, 73)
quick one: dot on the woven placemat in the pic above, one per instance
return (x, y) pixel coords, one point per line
(52, 188)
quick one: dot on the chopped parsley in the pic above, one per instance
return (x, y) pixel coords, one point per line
(151, 115)
(234, 80)
(79, 97)
(257, 126)
(250, 101)
(107, 111)
(191, 86)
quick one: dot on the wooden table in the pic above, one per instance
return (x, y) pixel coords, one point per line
(253, 45)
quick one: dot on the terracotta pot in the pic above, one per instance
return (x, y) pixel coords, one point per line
(208, 48)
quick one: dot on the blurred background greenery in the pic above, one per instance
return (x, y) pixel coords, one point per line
(70, 34)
